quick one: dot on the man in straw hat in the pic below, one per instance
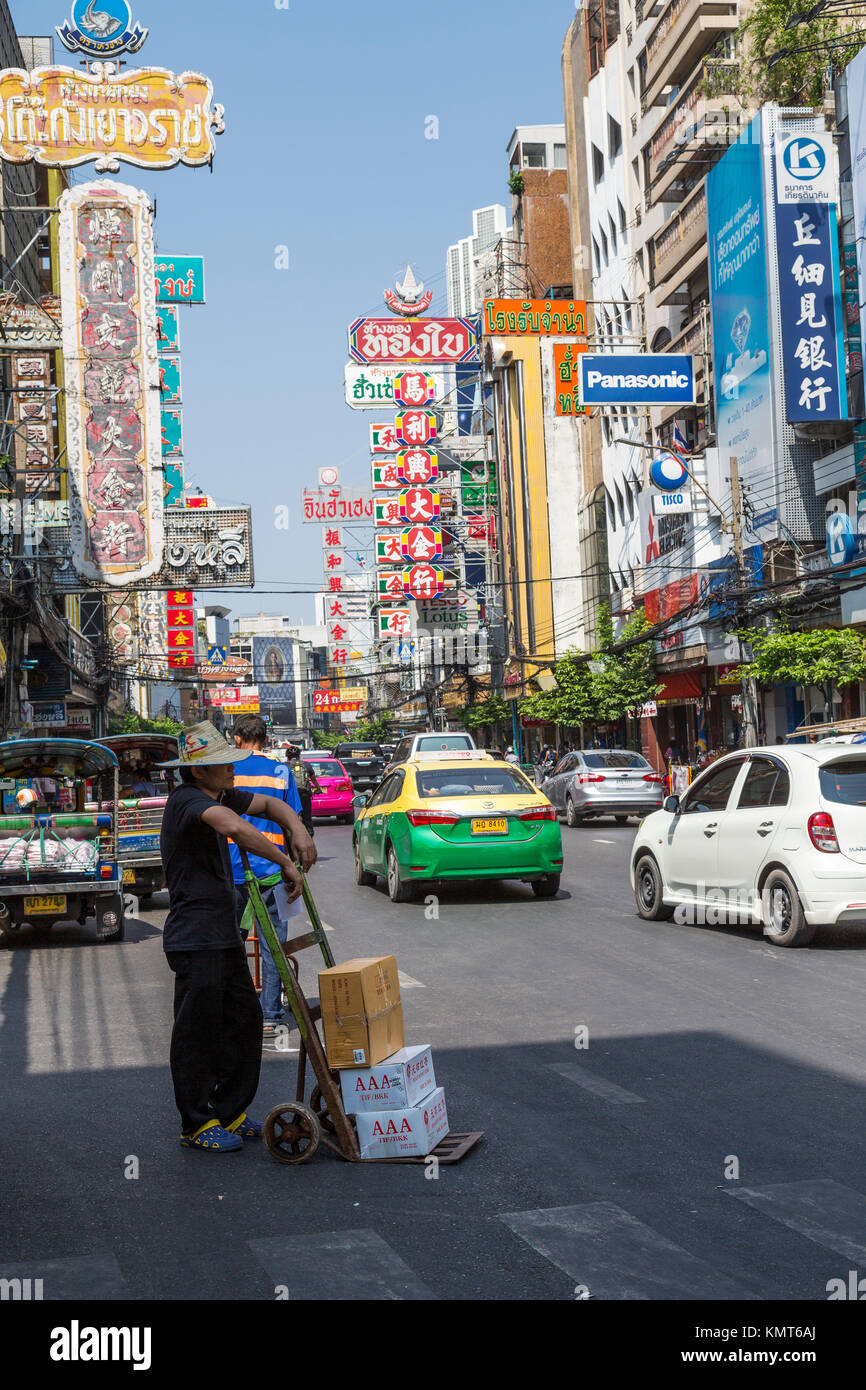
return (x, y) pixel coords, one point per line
(216, 1044)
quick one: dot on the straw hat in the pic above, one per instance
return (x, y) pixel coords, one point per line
(201, 745)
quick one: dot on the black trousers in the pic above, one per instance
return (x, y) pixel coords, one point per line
(307, 808)
(216, 1043)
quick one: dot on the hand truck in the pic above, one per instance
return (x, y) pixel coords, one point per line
(294, 1130)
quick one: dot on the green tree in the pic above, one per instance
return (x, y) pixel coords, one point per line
(821, 657)
(376, 730)
(623, 680)
(798, 79)
(485, 714)
(131, 723)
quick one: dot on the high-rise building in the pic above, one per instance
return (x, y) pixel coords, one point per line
(471, 256)
(538, 175)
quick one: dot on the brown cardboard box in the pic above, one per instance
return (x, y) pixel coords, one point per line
(361, 1011)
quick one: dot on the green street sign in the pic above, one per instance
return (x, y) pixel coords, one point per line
(180, 279)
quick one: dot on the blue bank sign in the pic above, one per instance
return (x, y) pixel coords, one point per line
(662, 378)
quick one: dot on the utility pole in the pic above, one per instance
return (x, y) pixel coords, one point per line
(748, 684)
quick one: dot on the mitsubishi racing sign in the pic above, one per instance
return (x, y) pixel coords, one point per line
(663, 378)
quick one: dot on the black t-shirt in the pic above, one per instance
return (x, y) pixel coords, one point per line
(198, 872)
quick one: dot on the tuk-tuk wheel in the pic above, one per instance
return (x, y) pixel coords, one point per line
(292, 1133)
(112, 904)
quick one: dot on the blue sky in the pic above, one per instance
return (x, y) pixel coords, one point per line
(324, 152)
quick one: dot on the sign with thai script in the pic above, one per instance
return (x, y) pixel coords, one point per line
(112, 383)
(563, 318)
(339, 504)
(210, 548)
(148, 116)
(566, 378)
(105, 31)
(30, 325)
(370, 386)
(805, 168)
(180, 279)
(397, 340)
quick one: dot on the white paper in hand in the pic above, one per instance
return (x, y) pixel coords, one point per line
(285, 909)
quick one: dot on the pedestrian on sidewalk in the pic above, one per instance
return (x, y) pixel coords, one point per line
(216, 1043)
(260, 773)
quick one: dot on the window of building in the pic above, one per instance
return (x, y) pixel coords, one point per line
(605, 249)
(622, 218)
(560, 156)
(614, 137)
(613, 241)
(596, 257)
(661, 340)
(597, 164)
(534, 156)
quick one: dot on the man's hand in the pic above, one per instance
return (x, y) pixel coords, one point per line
(292, 879)
(303, 848)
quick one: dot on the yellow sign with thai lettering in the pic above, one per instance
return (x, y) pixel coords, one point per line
(147, 116)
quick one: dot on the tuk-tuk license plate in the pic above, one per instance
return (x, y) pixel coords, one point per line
(497, 825)
(34, 906)
(129, 875)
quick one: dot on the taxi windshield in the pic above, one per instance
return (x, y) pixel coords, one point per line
(469, 780)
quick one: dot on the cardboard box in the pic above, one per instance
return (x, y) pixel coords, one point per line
(361, 1011)
(397, 1083)
(409, 1133)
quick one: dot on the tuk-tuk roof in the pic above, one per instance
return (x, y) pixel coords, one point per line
(163, 744)
(38, 757)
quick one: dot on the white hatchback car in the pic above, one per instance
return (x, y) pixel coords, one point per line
(774, 836)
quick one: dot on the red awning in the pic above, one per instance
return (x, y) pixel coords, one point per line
(680, 685)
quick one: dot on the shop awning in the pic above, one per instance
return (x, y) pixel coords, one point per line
(679, 685)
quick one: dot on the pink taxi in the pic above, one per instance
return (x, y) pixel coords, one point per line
(335, 798)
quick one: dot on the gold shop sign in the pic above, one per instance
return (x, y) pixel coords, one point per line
(147, 116)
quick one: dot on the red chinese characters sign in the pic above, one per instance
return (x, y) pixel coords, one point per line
(181, 628)
(112, 383)
(413, 340)
(388, 549)
(415, 427)
(414, 389)
(419, 504)
(423, 581)
(421, 543)
(417, 467)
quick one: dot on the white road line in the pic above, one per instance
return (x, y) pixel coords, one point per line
(613, 1255)
(820, 1209)
(407, 982)
(339, 1266)
(605, 1090)
(88, 1277)
(604, 842)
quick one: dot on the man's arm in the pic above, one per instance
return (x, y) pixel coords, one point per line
(245, 836)
(273, 808)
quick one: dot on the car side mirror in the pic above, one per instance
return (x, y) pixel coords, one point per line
(360, 801)
(671, 804)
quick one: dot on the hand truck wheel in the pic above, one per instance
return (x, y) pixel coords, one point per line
(317, 1105)
(291, 1132)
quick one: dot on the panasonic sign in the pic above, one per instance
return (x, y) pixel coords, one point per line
(662, 378)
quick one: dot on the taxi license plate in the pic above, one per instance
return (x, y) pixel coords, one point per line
(497, 825)
(129, 875)
(33, 906)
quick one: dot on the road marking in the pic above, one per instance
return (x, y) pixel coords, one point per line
(824, 1211)
(604, 842)
(407, 982)
(339, 1265)
(88, 1277)
(605, 1090)
(326, 927)
(615, 1256)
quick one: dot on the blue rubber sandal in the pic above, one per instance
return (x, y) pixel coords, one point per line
(245, 1127)
(212, 1136)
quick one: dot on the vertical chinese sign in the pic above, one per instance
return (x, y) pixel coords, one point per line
(111, 368)
(181, 629)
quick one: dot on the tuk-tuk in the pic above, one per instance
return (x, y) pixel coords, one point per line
(144, 789)
(58, 859)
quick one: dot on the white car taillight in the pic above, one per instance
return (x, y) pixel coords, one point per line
(822, 832)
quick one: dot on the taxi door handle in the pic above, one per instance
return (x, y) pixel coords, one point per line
(711, 829)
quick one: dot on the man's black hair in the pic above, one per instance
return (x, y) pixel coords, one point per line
(251, 728)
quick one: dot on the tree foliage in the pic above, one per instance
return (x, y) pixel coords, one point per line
(820, 657)
(484, 714)
(131, 723)
(604, 689)
(373, 730)
(799, 78)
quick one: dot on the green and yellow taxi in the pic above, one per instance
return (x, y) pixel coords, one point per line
(457, 816)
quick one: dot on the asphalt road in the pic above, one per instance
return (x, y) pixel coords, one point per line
(705, 1143)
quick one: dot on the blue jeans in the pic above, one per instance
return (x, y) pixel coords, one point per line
(272, 1005)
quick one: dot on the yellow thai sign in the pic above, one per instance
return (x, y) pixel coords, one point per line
(147, 116)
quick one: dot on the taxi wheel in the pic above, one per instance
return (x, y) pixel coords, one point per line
(546, 887)
(363, 877)
(398, 890)
(621, 820)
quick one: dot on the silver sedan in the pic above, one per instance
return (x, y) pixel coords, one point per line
(604, 782)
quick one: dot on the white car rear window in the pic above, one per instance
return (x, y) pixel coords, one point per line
(844, 782)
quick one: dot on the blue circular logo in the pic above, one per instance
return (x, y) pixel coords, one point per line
(668, 472)
(804, 158)
(101, 19)
(841, 540)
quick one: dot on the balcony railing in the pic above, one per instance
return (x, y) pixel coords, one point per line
(669, 240)
(710, 81)
(686, 30)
